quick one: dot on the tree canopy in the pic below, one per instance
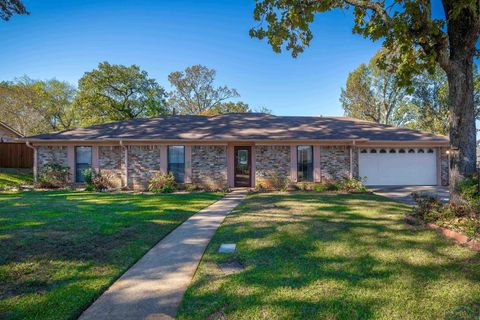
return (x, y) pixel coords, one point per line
(373, 94)
(116, 92)
(194, 92)
(8, 8)
(33, 106)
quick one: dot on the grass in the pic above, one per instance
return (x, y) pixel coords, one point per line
(13, 178)
(314, 256)
(60, 250)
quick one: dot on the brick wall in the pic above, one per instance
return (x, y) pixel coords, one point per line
(110, 161)
(52, 154)
(143, 162)
(209, 166)
(270, 159)
(334, 162)
(444, 167)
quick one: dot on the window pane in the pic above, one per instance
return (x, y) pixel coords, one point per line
(83, 161)
(176, 162)
(305, 163)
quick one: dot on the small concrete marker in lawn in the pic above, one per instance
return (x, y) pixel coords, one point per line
(227, 248)
(153, 287)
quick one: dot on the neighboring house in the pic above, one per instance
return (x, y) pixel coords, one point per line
(244, 149)
(7, 133)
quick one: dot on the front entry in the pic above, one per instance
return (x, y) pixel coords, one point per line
(243, 168)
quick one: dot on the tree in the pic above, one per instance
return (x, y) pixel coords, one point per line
(33, 106)
(20, 106)
(416, 42)
(373, 94)
(10, 7)
(58, 108)
(227, 107)
(116, 92)
(428, 107)
(195, 93)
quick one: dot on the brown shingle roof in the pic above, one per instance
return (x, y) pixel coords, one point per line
(242, 126)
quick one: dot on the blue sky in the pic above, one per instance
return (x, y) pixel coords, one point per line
(64, 38)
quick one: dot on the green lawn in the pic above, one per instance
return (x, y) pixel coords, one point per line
(59, 250)
(11, 178)
(312, 256)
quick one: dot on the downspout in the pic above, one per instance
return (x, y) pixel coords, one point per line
(35, 173)
(125, 162)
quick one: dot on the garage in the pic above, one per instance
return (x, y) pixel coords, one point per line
(398, 166)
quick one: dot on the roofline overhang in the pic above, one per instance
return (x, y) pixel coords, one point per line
(361, 141)
(6, 126)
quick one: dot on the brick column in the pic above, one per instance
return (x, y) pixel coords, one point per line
(163, 159)
(316, 164)
(95, 165)
(293, 163)
(71, 162)
(188, 164)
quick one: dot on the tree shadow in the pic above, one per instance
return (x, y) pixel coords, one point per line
(333, 256)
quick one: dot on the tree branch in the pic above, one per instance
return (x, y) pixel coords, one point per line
(372, 5)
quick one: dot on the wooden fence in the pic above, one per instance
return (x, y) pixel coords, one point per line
(15, 155)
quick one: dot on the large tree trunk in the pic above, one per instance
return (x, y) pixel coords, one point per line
(462, 124)
(462, 37)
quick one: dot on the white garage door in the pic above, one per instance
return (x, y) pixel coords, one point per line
(398, 166)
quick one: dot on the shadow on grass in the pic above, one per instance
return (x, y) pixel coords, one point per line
(72, 243)
(311, 256)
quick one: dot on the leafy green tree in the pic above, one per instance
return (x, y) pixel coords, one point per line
(195, 93)
(416, 41)
(116, 92)
(373, 94)
(58, 108)
(10, 7)
(428, 107)
(33, 106)
(227, 107)
(21, 103)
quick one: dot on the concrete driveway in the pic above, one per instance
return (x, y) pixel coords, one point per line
(403, 193)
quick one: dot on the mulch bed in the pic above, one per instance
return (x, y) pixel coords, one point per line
(458, 237)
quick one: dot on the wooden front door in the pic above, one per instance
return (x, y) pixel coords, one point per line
(243, 167)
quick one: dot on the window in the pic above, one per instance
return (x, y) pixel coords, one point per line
(421, 151)
(83, 161)
(411, 151)
(430, 151)
(392, 151)
(401, 151)
(176, 162)
(373, 151)
(304, 163)
(383, 151)
(363, 151)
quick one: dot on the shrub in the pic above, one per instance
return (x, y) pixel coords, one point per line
(162, 182)
(320, 187)
(454, 216)
(273, 181)
(53, 175)
(98, 181)
(469, 192)
(352, 185)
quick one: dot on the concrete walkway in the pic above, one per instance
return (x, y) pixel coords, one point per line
(153, 288)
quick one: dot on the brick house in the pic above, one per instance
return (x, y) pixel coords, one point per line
(243, 149)
(7, 133)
